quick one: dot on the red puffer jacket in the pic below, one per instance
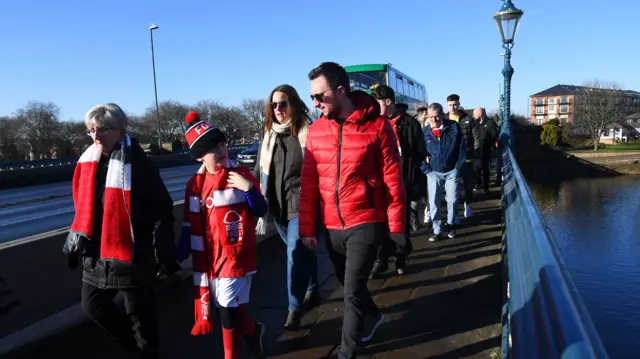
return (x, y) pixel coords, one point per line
(353, 170)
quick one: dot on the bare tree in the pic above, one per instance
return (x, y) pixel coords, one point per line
(72, 139)
(9, 141)
(141, 129)
(253, 111)
(228, 119)
(172, 120)
(39, 127)
(599, 104)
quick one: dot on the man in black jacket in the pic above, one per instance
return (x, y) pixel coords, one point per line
(471, 135)
(122, 233)
(488, 137)
(412, 152)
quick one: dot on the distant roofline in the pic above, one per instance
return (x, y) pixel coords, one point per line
(563, 90)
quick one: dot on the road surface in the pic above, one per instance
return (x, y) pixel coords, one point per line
(32, 210)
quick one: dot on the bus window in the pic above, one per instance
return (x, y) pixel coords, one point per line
(399, 85)
(364, 80)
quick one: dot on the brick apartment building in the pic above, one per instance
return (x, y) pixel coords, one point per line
(558, 102)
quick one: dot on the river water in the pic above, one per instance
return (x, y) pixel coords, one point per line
(596, 224)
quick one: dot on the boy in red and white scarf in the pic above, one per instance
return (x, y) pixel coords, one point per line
(222, 204)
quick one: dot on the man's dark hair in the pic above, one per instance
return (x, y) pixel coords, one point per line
(383, 92)
(437, 107)
(335, 74)
(422, 110)
(453, 97)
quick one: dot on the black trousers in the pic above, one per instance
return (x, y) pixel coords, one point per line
(353, 252)
(484, 172)
(136, 330)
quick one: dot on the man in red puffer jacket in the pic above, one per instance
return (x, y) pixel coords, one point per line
(352, 170)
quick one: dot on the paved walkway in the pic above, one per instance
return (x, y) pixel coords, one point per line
(446, 306)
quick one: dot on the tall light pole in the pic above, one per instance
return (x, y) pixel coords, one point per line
(507, 19)
(155, 87)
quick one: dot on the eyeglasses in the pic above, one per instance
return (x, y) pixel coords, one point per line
(283, 104)
(94, 130)
(319, 96)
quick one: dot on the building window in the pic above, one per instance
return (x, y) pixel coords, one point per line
(552, 108)
(564, 108)
(552, 101)
(564, 100)
(539, 120)
(539, 102)
(564, 120)
(607, 133)
(539, 110)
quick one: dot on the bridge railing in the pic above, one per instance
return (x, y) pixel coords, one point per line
(543, 315)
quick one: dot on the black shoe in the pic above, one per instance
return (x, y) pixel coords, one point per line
(415, 226)
(255, 342)
(293, 320)
(378, 268)
(311, 300)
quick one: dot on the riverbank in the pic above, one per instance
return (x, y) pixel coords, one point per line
(624, 162)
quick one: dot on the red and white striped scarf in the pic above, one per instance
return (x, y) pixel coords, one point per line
(230, 212)
(116, 241)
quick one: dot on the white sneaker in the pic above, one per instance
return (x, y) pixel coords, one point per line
(427, 216)
(467, 210)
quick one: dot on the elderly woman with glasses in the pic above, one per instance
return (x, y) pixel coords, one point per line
(122, 234)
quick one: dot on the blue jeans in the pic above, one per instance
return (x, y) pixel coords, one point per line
(302, 264)
(450, 181)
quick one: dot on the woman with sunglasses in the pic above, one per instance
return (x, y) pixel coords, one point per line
(279, 168)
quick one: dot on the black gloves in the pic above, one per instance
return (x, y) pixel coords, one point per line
(74, 247)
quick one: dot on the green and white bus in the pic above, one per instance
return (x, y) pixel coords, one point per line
(407, 90)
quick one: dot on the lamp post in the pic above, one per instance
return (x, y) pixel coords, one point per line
(155, 87)
(507, 19)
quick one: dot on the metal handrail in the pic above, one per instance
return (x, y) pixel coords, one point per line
(546, 316)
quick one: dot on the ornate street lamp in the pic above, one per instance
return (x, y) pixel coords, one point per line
(508, 20)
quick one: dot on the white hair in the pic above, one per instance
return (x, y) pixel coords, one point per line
(109, 114)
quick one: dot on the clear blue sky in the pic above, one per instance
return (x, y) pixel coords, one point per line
(79, 53)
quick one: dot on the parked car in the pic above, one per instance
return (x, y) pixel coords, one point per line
(248, 156)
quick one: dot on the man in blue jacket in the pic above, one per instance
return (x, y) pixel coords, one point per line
(447, 154)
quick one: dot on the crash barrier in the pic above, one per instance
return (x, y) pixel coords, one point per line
(50, 171)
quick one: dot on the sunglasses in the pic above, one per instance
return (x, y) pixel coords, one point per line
(319, 96)
(275, 105)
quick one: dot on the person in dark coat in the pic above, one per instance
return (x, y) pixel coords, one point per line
(488, 137)
(122, 234)
(412, 152)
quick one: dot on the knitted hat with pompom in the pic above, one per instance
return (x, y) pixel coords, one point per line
(201, 136)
